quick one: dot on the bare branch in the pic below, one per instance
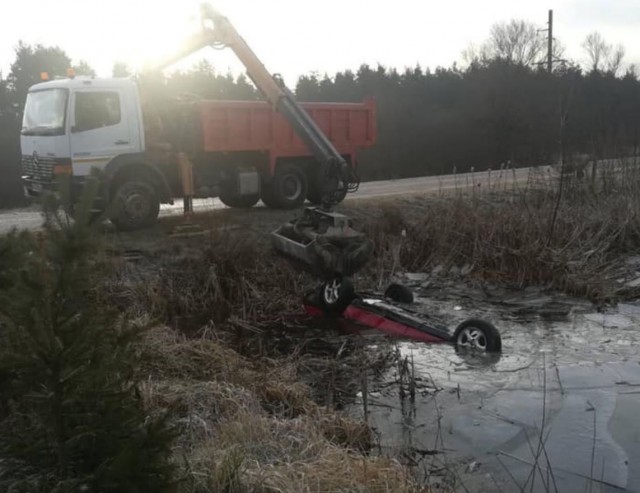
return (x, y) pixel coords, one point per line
(475, 53)
(517, 41)
(602, 56)
(614, 63)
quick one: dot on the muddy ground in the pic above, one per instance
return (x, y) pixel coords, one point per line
(557, 411)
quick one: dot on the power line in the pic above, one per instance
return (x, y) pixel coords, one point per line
(550, 43)
(549, 32)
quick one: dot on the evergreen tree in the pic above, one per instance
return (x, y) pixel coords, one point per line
(30, 62)
(70, 415)
(10, 187)
(503, 107)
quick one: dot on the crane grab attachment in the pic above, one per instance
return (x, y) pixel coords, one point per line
(323, 243)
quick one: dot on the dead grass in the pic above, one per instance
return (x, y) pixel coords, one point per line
(336, 470)
(195, 282)
(251, 425)
(267, 457)
(515, 237)
(265, 454)
(166, 354)
(242, 421)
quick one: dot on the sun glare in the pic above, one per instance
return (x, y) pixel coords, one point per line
(160, 30)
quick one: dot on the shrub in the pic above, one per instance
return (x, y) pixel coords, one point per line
(71, 418)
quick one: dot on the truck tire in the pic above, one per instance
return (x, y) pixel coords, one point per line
(287, 189)
(136, 205)
(268, 197)
(238, 201)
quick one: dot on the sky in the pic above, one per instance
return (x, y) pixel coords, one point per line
(294, 37)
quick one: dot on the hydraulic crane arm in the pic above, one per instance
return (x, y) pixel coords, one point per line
(222, 34)
(321, 241)
(217, 31)
(336, 173)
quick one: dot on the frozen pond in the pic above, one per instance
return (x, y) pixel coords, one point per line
(563, 363)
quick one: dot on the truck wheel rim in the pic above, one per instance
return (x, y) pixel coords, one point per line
(332, 291)
(472, 338)
(136, 205)
(291, 187)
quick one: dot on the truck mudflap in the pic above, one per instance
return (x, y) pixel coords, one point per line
(323, 243)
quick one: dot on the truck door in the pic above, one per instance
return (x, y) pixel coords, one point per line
(100, 128)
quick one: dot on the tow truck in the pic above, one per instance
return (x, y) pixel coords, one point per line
(148, 151)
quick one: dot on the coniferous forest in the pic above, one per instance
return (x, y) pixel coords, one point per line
(501, 107)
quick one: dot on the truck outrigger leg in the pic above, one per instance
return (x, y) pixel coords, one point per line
(186, 179)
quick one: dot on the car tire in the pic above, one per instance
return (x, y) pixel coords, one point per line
(477, 335)
(336, 294)
(399, 293)
(136, 205)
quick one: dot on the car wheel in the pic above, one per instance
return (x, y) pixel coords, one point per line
(477, 335)
(399, 293)
(336, 294)
(136, 205)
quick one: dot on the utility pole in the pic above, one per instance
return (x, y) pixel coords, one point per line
(550, 43)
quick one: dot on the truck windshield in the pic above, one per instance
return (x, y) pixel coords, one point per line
(44, 112)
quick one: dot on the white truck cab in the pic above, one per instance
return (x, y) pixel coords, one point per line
(79, 126)
(81, 123)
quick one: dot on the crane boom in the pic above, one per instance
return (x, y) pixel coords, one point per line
(322, 241)
(337, 177)
(336, 173)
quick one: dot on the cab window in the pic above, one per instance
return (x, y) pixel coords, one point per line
(45, 112)
(96, 110)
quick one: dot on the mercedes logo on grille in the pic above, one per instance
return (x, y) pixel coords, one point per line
(36, 164)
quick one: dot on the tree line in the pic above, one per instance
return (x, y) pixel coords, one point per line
(502, 108)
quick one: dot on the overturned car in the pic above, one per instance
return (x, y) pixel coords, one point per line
(393, 314)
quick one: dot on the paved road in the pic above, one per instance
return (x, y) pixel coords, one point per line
(30, 218)
(410, 186)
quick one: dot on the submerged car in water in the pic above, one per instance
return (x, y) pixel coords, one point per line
(394, 315)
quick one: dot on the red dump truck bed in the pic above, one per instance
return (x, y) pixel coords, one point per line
(254, 126)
